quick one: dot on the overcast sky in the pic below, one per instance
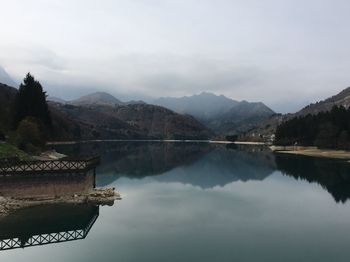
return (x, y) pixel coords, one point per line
(284, 53)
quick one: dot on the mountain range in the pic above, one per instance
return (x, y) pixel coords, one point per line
(98, 117)
(102, 116)
(219, 113)
(97, 98)
(268, 126)
(131, 121)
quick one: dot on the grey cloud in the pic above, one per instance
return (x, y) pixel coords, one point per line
(279, 52)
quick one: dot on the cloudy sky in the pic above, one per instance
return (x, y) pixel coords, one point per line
(285, 53)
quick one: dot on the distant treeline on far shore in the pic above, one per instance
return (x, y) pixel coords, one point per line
(324, 130)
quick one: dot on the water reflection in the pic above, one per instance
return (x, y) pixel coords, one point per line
(39, 208)
(224, 165)
(207, 165)
(42, 225)
(202, 202)
(332, 175)
(138, 159)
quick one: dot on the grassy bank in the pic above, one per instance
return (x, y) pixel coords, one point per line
(7, 150)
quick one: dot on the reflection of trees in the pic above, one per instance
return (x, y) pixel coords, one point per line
(208, 165)
(332, 175)
(138, 159)
(203, 164)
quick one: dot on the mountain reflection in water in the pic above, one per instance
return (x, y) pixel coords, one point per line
(192, 202)
(208, 165)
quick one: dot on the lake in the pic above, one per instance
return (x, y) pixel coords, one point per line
(197, 202)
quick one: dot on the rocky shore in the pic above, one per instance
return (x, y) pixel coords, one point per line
(102, 196)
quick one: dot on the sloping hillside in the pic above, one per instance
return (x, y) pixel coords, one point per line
(242, 117)
(95, 121)
(135, 121)
(221, 114)
(268, 126)
(341, 99)
(161, 122)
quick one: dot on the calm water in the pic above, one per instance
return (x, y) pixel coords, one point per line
(198, 202)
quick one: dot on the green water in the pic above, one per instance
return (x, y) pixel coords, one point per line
(199, 202)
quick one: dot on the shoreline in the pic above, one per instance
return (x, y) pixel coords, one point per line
(312, 152)
(97, 196)
(155, 140)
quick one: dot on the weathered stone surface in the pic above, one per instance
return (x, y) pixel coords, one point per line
(103, 196)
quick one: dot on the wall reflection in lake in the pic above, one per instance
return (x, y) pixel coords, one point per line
(46, 224)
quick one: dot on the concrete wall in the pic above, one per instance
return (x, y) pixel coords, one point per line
(46, 185)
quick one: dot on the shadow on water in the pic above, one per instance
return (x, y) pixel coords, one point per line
(332, 175)
(42, 225)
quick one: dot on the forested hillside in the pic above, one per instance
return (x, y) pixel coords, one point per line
(325, 130)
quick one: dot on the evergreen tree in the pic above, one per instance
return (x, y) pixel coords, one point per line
(325, 130)
(31, 102)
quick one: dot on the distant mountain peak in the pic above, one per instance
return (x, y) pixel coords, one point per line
(97, 98)
(218, 112)
(205, 93)
(56, 100)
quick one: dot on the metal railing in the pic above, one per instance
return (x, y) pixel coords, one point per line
(48, 238)
(10, 166)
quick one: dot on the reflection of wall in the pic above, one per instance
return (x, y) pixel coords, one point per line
(46, 224)
(333, 175)
(46, 185)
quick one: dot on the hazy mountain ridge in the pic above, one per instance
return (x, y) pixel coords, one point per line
(5, 78)
(56, 99)
(221, 114)
(135, 121)
(268, 127)
(204, 106)
(100, 121)
(110, 118)
(97, 98)
(340, 99)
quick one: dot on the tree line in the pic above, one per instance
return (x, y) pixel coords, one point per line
(325, 130)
